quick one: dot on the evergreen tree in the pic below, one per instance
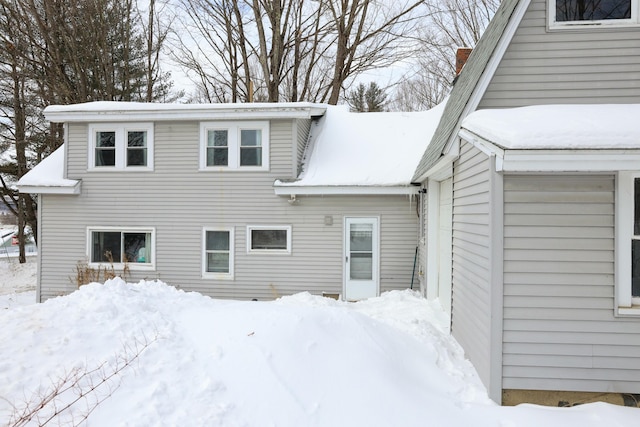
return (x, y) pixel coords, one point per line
(369, 99)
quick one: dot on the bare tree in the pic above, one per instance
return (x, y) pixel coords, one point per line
(301, 49)
(453, 24)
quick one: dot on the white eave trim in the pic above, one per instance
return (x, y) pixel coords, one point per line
(70, 115)
(570, 160)
(42, 189)
(329, 190)
(555, 160)
(443, 167)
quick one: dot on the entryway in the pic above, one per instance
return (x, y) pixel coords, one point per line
(361, 258)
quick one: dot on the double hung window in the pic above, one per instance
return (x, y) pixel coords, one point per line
(628, 243)
(234, 145)
(121, 146)
(218, 253)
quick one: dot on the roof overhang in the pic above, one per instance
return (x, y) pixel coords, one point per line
(342, 190)
(555, 160)
(51, 189)
(128, 111)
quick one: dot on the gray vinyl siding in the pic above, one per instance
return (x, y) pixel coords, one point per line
(592, 65)
(560, 332)
(471, 309)
(179, 200)
(303, 127)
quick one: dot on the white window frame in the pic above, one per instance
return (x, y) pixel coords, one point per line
(212, 275)
(567, 25)
(288, 229)
(118, 265)
(625, 303)
(120, 130)
(233, 143)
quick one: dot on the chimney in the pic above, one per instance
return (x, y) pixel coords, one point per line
(462, 54)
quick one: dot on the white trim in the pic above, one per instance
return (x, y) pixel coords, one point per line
(52, 189)
(133, 266)
(234, 129)
(282, 189)
(219, 276)
(582, 25)
(569, 160)
(496, 281)
(120, 130)
(128, 112)
(624, 231)
(287, 228)
(433, 224)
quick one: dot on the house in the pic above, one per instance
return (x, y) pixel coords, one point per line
(250, 201)
(533, 188)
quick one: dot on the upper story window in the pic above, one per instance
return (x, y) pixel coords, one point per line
(572, 13)
(234, 145)
(121, 146)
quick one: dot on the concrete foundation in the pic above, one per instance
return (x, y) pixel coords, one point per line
(567, 398)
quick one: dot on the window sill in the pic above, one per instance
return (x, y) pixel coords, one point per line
(587, 25)
(633, 311)
(219, 276)
(119, 267)
(112, 169)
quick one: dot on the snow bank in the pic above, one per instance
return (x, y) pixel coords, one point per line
(299, 361)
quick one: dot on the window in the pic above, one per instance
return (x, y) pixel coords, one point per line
(275, 239)
(121, 146)
(234, 145)
(218, 253)
(628, 243)
(567, 13)
(119, 246)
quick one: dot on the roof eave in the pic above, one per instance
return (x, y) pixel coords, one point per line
(338, 190)
(73, 114)
(74, 189)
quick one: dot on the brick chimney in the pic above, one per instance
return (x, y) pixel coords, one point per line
(462, 54)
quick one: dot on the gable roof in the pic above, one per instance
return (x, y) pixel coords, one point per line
(470, 85)
(363, 152)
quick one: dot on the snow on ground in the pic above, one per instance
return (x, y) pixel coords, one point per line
(17, 282)
(301, 360)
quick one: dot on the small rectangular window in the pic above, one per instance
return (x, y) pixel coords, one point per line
(105, 148)
(218, 147)
(269, 239)
(136, 148)
(114, 246)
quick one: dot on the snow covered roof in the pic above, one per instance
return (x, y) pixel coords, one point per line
(364, 152)
(107, 111)
(609, 126)
(48, 177)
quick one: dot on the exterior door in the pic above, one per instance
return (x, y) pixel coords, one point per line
(361, 258)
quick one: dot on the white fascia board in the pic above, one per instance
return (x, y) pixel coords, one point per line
(41, 189)
(569, 160)
(442, 169)
(338, 190)
(70, 115)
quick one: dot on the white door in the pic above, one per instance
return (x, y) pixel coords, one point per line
(361, 255)
(445, 241)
